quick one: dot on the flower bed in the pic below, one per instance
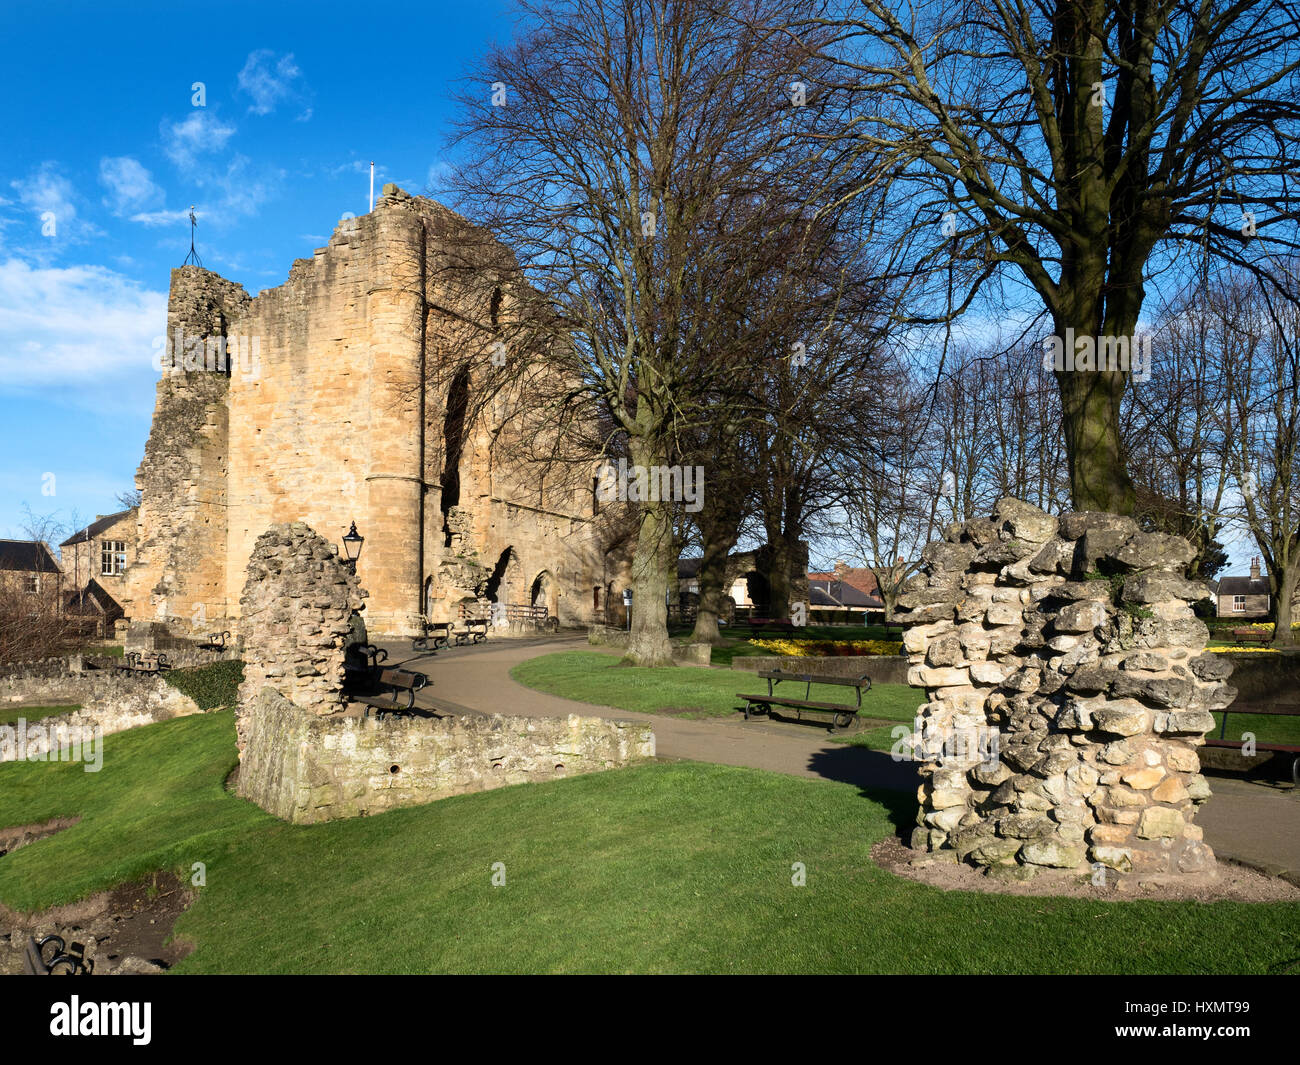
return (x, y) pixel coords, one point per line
(830, 648)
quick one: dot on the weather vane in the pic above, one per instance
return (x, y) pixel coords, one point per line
(193, 254)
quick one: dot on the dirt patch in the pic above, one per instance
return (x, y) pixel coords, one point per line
(124, 930)
(21, 835)
(1233, 883)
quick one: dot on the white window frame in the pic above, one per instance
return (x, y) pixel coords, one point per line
(1238, 604)
(112, 553)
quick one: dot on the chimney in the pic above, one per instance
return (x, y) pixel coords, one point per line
(1254, 569)
(841, 571)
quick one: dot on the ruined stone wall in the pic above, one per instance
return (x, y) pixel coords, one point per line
(1068, 691)
(177, 571)
(297, 610)
(341, 417)
(308, 769)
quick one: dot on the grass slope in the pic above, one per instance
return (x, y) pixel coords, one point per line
(661, 868)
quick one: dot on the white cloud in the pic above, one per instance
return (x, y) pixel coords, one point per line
(268, 87)
(162, 218)
(129, 184)
(72, 332)
(53, 200)
(200, 133)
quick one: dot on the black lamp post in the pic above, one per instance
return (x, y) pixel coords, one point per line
(352, 542)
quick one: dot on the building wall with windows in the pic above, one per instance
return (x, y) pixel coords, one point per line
(101, 552)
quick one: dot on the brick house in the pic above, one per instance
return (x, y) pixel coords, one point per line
(844, 588)
(1244, 597)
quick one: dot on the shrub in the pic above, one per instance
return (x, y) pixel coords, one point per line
(209, 686)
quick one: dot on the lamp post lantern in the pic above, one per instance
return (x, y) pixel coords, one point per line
(352, 541)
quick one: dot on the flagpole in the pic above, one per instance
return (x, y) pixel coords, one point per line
(372, 184)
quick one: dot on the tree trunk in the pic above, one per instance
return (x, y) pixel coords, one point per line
(713, 583)
(1090, 404)
(1286, 585)
(648, 642)
(778, 575)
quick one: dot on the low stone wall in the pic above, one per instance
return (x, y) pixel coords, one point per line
(307, 768)
(607, 636)
(882, 669)
(110, 704)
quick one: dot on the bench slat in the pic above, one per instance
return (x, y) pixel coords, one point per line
(775, 700)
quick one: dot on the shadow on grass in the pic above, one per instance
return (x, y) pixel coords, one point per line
(878, 777)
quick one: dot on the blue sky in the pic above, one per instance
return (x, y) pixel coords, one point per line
(105, 150)
(102, 138)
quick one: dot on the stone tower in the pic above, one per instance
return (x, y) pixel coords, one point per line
(316, 402)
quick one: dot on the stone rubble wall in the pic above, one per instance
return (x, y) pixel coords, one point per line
(306, 768)
(1068, 691)
(297, 611)
(109, 704)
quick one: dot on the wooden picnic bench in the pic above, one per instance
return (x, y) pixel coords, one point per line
(439, 632)
(1252, 635)
(841, 716)
(1289, 708)
(757, 625)
(48, 957)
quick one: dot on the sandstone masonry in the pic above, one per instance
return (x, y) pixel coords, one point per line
(1071, 645)
(351, 393)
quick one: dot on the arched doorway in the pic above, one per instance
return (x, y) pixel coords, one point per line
(504, 584)
(545, 593)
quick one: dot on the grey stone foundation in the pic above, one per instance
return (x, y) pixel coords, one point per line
(1068, 691)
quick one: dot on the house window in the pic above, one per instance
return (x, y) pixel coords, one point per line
(1239, 604)
(33, 583)
(112, 558)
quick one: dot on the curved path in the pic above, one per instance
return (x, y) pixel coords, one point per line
(1249, 822)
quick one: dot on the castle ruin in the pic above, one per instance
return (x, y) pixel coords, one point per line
(344, 395)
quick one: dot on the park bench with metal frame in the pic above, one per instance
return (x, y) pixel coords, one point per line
(1252, 635)
(135, 662)
(473, 630)
(841, 715)
(216, 641)
(48, 957)
(395, 692)
(436, 632)
(757, 625)
(1290, 708)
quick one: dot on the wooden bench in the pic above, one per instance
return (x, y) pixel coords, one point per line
(392, 691)
(47, 957)
(1289, 708)
(475, 630)
(841, 716)
(439, 632)
(137, 662)
(1252, 635)
(757, 625)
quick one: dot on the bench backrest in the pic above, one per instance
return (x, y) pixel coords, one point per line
(863, 681)
(403, 678)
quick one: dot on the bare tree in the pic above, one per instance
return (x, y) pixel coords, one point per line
(1077, 146)
(621, 148)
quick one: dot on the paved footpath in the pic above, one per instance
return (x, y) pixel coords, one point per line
(1253, 823)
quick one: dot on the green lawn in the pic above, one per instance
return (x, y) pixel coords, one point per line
(1268, 728)
(592, 677)
(661, 868)
(10, 714)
